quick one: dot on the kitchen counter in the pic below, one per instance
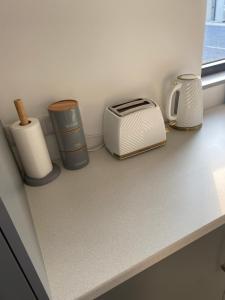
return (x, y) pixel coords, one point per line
(101, 225)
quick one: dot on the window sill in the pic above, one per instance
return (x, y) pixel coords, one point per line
(213, 80)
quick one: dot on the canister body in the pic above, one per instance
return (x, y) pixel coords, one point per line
(67, 123)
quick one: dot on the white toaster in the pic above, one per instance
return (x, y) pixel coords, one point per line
(133, 127)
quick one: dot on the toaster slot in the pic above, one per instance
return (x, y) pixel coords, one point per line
(131, 106)
(127, 102)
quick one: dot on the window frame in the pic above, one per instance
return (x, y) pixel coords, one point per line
(213, 67)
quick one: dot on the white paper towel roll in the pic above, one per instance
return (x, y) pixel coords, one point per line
(32, 148)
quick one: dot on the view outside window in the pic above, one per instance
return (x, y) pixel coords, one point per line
(214, 45)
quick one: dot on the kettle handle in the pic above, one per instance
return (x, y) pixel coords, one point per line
(169, 116)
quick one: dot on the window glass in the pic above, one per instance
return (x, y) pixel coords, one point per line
(214, 43)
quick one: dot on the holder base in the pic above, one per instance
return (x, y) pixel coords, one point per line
(42, 181)
(173, 125)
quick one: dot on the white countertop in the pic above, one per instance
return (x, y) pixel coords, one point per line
(99, 226)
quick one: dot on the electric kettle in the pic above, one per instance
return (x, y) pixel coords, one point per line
(188, 109)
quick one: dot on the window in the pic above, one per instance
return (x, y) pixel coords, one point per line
(214, 42)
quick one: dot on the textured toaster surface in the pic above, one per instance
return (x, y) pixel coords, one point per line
(141, 129)
(103, 224)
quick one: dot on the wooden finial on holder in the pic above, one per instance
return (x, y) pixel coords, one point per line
(21, 112)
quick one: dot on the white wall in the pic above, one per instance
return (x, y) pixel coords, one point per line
(97, 51)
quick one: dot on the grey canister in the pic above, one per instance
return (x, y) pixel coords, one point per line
(67, 124)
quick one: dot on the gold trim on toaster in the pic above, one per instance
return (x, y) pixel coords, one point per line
(121, 157)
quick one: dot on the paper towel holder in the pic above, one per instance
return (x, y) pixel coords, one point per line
(21, 112)
(54, 173)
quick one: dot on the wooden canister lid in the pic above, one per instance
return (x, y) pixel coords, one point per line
(63, 105)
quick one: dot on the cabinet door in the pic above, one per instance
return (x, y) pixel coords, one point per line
(13, 284)
(193, 273)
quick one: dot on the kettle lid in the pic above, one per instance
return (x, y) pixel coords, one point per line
(188, 77)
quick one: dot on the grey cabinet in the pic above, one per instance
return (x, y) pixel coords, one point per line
(18, 277)
(193, 273)
(22, 272)
(13, 283)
